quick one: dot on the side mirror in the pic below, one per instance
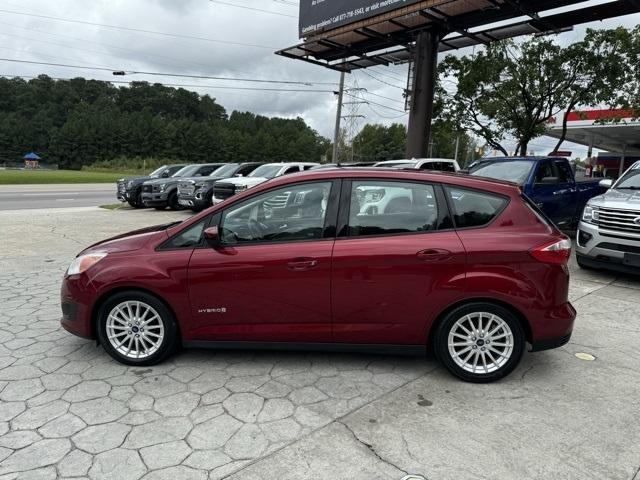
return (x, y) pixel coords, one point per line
(239, 175)
(212, 236)
(606, 183)
(165, 174)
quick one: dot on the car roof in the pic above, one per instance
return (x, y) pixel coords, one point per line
(378, 173)
(511, 159)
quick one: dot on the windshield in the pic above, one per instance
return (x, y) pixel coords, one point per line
(630, 181)
(226, 171)
(511, 170)
(156, 173)
(266, 171)
(188, 171)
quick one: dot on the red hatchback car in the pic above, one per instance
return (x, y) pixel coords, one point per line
(338, 259)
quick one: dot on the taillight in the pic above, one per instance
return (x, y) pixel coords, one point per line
(557, 252)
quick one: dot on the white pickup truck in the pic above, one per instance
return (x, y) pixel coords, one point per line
(228, 188)
(609, 230)
(435, 164)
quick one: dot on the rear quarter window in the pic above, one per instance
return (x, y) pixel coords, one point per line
(473, 208)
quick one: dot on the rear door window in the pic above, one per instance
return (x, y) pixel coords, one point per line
(390, 208)
(473, 208)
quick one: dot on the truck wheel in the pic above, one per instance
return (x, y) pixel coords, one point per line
(581, 264)
(137, 329)
(172, 201)
(480, 342)
(136, 202)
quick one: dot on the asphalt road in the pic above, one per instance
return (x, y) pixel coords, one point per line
(24, 197)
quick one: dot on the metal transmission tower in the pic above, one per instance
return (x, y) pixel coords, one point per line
(348, 109)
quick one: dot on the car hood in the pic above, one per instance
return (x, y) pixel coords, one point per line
(162, 181)
(248, 181)
(622, 199)
(130, 241)
(138, 179)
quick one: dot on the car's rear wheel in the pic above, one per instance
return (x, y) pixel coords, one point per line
(480, 342)
(136, 328)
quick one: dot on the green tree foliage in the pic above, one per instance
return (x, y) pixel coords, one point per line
(79, 122)
(379, 142)
(515, 88)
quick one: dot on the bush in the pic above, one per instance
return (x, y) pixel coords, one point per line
(130, 164)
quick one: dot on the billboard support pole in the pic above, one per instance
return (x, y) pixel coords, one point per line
(336, 135)
(424, 86)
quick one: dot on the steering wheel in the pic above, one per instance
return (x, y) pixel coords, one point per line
(256, 228)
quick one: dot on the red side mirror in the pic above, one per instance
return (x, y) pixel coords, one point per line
(212, 236)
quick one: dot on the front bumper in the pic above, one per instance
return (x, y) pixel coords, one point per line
(608, 249)
(77, 298)
(155, 199)
(194, 201)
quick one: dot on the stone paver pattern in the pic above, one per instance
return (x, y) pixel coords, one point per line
(67, 410)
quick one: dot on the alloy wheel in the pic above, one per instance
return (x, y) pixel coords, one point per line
(480, 342)
(134, 329)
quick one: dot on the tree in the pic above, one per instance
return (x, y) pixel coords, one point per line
(515, 89)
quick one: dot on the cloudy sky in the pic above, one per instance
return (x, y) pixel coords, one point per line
(231, 42)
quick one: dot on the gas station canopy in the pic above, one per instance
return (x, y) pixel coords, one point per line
(611, 130)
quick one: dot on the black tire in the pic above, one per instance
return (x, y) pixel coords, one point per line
(172, 201)
(169, 341)
(441, 343)
(160, 209)
(581, 264)
(137, 201)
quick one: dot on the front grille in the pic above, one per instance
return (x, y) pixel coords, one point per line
(186, 188)
(279, 201)
(619, 220)
(147, 188)
(224, 191)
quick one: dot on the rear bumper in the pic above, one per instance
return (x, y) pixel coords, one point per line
(554, 329)
(550, 344)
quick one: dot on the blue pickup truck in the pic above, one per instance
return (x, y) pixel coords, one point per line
(548, 181)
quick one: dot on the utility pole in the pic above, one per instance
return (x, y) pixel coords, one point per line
(457, 147)
(336, 135)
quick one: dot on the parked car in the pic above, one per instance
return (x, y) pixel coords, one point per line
(609, 231)
(228, 188)
(435, 164)
(468, 268)
(197, 193)
(343, 165)
(548, 181)
(163, 192)
(130, 189)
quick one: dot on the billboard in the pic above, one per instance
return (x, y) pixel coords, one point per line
(318, 15)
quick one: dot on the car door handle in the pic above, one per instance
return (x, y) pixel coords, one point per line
(434, 254)
(302, 264)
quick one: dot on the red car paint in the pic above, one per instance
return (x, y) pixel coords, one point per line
(362, 290)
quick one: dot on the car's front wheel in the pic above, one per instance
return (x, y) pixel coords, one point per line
(480, 342)
(137, 329)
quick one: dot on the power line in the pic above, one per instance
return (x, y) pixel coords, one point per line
(367, 92)
(253, 8)
(202, 77)
(382, 81)
(386, 116)
(378, 104)
(183, 85)
(137, 30)
(388, 74)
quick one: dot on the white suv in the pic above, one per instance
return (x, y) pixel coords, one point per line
(435, 164)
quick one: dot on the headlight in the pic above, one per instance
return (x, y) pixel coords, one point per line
(130, 184)
(241, 188)
(84, 262)
(162, 187)
(591, 214)
(199, 185)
